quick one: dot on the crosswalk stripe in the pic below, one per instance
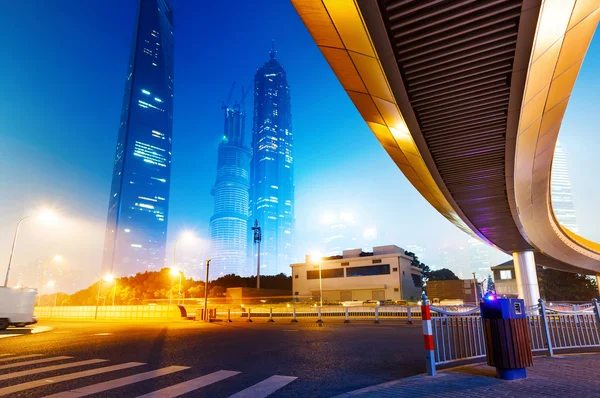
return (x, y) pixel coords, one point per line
(190, 385)
(20, 357)
(265, 387)
(34, 371)
(111, 384)
(70, 376)
(24, 363)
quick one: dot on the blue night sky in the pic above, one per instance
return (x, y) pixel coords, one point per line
(62, 80)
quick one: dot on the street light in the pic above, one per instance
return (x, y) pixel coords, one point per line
(52, 284)
(45, 215)
(316, 258)
(174, 272)
(57, 259)
(185, 236)
(107, 278)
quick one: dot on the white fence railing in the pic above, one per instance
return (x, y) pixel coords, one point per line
(459, 337)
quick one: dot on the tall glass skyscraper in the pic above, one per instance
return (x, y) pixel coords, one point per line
(136, 227)
(229, 224)
(272, 167)
(560, 188)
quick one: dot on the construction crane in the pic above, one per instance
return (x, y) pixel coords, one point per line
(244, 94)
(226, 104)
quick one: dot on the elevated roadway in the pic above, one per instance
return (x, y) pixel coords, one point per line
(467, 98)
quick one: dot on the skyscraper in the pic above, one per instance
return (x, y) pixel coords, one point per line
(560, 187)
(229, 223)
(136, 227)
(272, 167)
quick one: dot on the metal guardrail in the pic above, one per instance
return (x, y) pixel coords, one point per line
(459, 337)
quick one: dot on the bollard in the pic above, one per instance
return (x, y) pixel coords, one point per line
(428, 336)
(319, 320)
(294, 320)
(408, 316)
(228, 314)
(376, 315)
(347, 320)
(271, 315)
(249, 315)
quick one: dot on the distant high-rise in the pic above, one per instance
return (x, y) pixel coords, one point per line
(229, 224)
(136, 227)
(560, 187)
(272, 167)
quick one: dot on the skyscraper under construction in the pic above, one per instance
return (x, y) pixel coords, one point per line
(229, 223)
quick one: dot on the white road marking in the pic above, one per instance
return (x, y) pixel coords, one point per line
(49, 368)
(70, 376)
(103, 334)
(290, 330)
(14, 365)
(190, 385)
(41, 329)
(20, 357)
(111, 384)
(265, 387)
(3, 336)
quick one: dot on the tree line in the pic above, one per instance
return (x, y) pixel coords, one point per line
(151, 286)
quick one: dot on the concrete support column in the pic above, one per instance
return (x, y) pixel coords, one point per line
(526, 275)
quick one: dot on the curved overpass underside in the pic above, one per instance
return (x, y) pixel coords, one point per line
(467, 98)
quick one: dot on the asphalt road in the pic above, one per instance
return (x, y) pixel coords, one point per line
(326, 361)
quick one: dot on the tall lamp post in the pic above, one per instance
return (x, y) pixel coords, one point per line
(174, 272)
(107, 278)
(56, 258)
(257, 239)
(316, 258)
(45, 214)
(186, 236)
(206, 291)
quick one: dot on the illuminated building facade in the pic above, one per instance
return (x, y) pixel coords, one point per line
(560, 189)
(272, 168)
(229, 223)
(136, 227)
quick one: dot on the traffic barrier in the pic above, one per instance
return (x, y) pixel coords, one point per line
(408, 316)
(428, 336)
(319, 320)
(376, 315)
(347, 320)
(249, 315)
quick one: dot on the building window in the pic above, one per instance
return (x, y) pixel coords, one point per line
(505, 274)
(376, 261)
(368, 270)
(326, 273)
(296, 276)
(344, 264)
(395, 269)
(296, 293)
(396, 289)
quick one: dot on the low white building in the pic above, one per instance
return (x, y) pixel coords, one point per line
(384, 274)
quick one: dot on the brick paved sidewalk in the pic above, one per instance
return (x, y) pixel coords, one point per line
(576, 375)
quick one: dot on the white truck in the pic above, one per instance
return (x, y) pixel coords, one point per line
(16, 306)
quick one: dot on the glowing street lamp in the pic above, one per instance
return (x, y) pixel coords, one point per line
(317, 258)
(174, 272)
(186, 237)
(107, 278)
(57, 259)
(45, 215)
